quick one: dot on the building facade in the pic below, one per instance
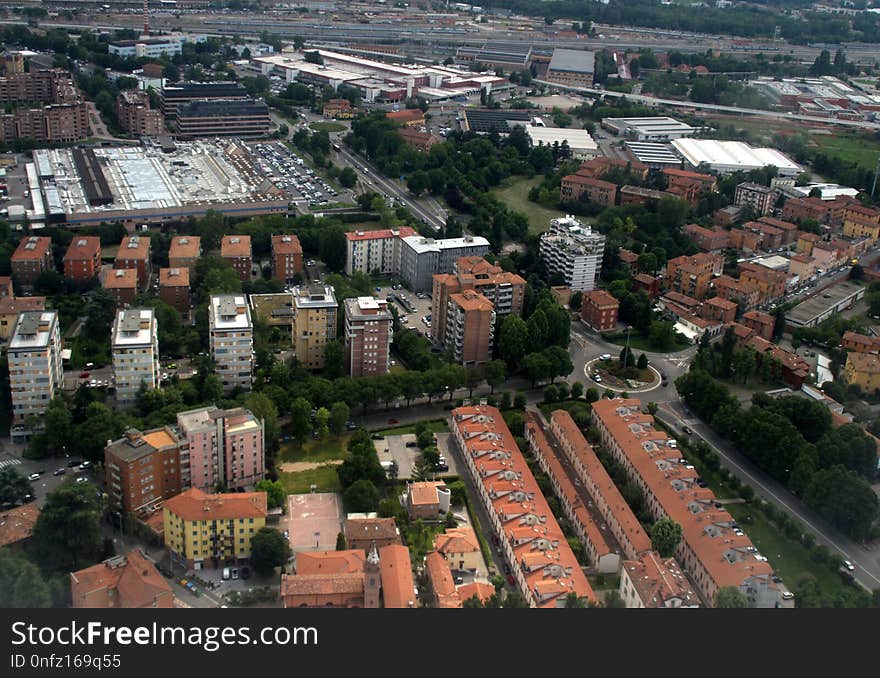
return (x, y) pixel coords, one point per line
(314, 323)
(36, 374)
(375, 251)
(222, 118)
(368, 336)
(135, 351)
(236, 249)
(185, 250)
(135, 116)
(134, 253)
(82, 261)
(231, 334)
(174, 289)
(287, 258)
(423, 258)
(574, 251)
(599, 310)
(142, 469)
(31, 258)
(470, 328)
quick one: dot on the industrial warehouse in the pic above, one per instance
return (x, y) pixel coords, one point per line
(146, 184)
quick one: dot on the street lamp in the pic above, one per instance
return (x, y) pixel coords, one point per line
(626, 350)
(317, 540)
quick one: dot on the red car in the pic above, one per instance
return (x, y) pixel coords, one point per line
(393, 421)
(84, 375)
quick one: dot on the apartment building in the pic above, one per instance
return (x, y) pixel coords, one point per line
(314, 323)
(423, 258)
(599, 310)
(746, 240)
(221, 447)
(719, 309)
(236, 249)
(802, 266)
(185, 250)
(211, 530)
(828, 212)
(505, 290)
(55, 123)
(861, 222)
(470, 328)
(600, 166)
(746, 295)
(789, 230)
(36, 374)
(142, 469)
(121, 582)
(135, 116)
(713, 550)
(761, 323)
(287, 258)
(375, 251)
(361, 533)
(770, 237)
(368, 336)
(692, 275)
(421, 141)
(769, 282)
(709, 240)
(542, 564)
(121, 284)
(82, 261)
(760, 198)
(32, 257)
(232, 340)
(576, 187)
(174, 289)
(863, 370)
(134, 253)
(222, 118)
(10, 307)
(654, 582)
(180, 93)
(806, 242)
(135, 350)
(688, 185)
(860, 343)
(574, 251)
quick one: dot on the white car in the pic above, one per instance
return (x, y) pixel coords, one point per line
(849, 566)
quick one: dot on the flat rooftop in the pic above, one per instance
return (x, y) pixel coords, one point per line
(134, 327)
(33, 330)
(229, 312)
(573, 60)
(821, 302)
(421, 244)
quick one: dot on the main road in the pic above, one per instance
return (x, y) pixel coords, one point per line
(586, 346)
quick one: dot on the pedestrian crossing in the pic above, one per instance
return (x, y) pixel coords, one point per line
(9, 462)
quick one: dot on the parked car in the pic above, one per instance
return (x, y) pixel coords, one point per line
(34, 476)
(412, 443)
(81, 480)
(86, 464)
(686, 430)
(59, 471)
(73, 462)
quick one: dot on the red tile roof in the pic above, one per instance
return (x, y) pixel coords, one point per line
(83, 247)
(406, 115)
(134, 579)
(17, 523)
(193, 504)
(31, 248)
(402, 232)
(330, 562)
(184, 247)
(235, 246)
(398, 588)
(286, 244)
(440, 577)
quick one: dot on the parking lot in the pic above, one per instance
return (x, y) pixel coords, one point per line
(413, 313)
(394, 448)
(289, 173)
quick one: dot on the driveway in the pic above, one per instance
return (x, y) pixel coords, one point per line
(394, 448)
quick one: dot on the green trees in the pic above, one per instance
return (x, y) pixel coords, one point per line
(849, 446)
(339, 414)
(21, 584)
(14, 487)
(334, 359)
(301, 418)
(495, 372)
(341, 544)
(665, 535)
(67, 535)
(269, 549)
(363, 464)
(265, 410)
(332, 247)
(513, 341)
(844, 499)
(642, 362)
(730, 597)
(362, 496)
(347, 177)
(274, 490)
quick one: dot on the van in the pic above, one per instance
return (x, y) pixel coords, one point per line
(234, 573)
(225, 574)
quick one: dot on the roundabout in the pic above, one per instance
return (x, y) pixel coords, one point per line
(612, 382)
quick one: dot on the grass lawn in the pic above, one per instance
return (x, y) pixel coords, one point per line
(435, 426)
(638, 343)
(516, 196)
(328, 127)
(847, 146)
(576, 408)
(325, 477)
(332, 447)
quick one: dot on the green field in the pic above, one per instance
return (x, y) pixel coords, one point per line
(516, 196)
(325, 477)
(328, 127)
(854, 147)
(332, 447)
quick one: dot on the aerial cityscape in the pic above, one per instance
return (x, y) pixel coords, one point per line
(385, 304)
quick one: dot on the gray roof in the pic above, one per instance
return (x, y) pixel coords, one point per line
(576, 60)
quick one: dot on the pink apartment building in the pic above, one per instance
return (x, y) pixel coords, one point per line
(221, 446)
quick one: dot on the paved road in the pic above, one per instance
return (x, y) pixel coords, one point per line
(866, 560)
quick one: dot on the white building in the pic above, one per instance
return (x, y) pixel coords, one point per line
(578, 140)
(659, 128)
(232, 340)
(375, 251)
(572, 249)
(422, 258)
(34, 355)
(147, 47)
(726, 157)
(135, 350)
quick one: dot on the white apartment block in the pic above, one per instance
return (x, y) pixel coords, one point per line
(35, 370)
(232, 340)
(572, 249)
(375, 251)
(135, 350)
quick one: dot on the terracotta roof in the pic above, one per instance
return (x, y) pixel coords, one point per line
(722, 303)
(159, 438)
(174, 277)
(83, 247)
(457, 540)
(235, 246)
(18, 523)
(184, 247)
(133, 577)
(322, 584)
(120, 278)
(600, 298)
(779, 223)
(658, 580)
(371, 528)
(628, 256)
(330, 562)
(482, 590)
(9, 305)
(286, 244)
(31, 248)
(811, 237)
(684, 174)
(402, 232)
(589, 181)
(471, 300)
(440, 577)
(520, 507)
(406, 115)
(398, 588)
(728, 558)
(193, 504)
(802, 259)
(425, 493)
(863, 362)
(134, 247)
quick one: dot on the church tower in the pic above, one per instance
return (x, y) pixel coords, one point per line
(372, 578)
